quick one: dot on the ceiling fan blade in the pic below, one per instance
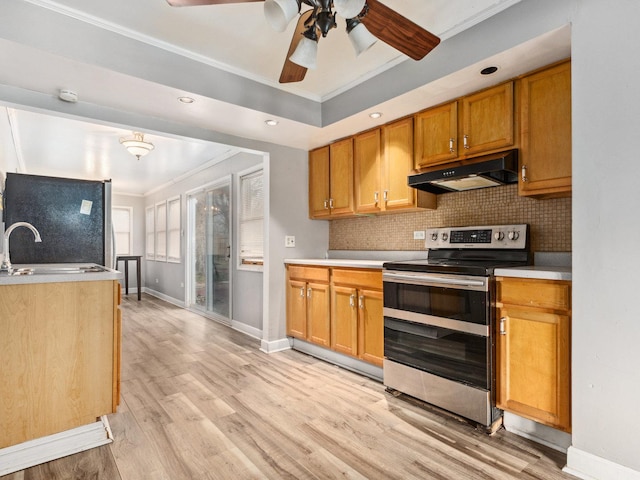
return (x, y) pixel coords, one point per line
(398, 31)
(292, 72)
(191, 3)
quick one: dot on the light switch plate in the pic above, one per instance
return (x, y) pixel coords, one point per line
(289, 241)
(419, 235)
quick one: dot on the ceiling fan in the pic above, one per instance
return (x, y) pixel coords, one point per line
(367, 20)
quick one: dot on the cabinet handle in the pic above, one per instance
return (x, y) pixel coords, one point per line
(309, 292)
(352, 300)
(385, 195)
(326, 204)
(302, 292)
(451, 149)
(375, 197)
(503, 330)
(331, 203)
(361, 302)
(524, 173)
(465, 139)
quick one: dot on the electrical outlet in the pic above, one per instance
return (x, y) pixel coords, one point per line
(157, 281)
(289, 241)
(419, 235)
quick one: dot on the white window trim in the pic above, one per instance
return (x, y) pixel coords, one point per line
(150, 255)
(130, 209)
(238, 194)
(171, 200)
(158, 257)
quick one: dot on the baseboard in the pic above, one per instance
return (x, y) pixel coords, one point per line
(275, 345)
(246, 329)
(537, 432)
(166, 298)
(41, 450)
(591, 467)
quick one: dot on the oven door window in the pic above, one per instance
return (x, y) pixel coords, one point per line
(462, 357)
(457, 304)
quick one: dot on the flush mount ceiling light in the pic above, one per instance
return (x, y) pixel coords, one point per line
(136, 145)
(186, 100)
(271, 123)
(367, 21)
(375, 115)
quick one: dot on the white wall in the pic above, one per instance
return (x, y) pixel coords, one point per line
(606, 233)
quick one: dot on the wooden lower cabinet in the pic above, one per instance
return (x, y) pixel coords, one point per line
(534, 350)
(356, 314)
(337, 308)
(59, 348)
(308, 304)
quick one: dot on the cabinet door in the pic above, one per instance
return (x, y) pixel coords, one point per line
(436, 132)
(341, 177)
(344, 320)
(545, 156)
(297, 309)
(318, 323)
(367, 170)
(533, 349)
(397, 145)
(487, 120)
(319, 183)
(371, 329)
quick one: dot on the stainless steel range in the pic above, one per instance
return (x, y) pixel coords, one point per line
(439, 318)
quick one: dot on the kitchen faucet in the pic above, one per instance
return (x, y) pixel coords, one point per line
(6, 263)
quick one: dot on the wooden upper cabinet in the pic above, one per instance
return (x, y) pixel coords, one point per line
(436, 135)
(367, 171)
(487, 121)
(545, 153)
(319, 183)
(534, 350)
(397, 162)
(331, 180)
(341, 177)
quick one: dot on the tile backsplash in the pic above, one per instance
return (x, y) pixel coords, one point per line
(549, 220)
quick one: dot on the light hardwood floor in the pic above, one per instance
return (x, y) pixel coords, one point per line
(201, 401)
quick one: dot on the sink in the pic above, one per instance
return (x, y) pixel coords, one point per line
(54, 270)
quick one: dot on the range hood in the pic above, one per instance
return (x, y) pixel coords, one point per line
(486, 171)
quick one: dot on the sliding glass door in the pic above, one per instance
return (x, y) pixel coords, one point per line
(210, 250)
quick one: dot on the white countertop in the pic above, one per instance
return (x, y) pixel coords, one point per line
(55, 272)
(335, 262)
(536, 272)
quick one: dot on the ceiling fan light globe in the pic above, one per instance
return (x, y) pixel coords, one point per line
(361, 38)
(280, 12)
(348, 8)
(305, 53)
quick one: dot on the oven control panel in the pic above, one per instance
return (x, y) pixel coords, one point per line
(491, 236)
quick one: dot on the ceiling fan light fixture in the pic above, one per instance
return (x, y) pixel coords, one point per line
(348, 8)
(361, 38)
(280, 12)
(136, 145)
(306, 52)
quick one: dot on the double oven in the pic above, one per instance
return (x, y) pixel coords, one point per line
(439, 318)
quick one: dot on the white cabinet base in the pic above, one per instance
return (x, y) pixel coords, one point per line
(41, 450)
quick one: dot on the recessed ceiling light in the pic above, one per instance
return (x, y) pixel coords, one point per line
(186, 99)
(375, 115)
(489, 70)
(271, 123)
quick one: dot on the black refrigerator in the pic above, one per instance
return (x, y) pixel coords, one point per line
(72, 216)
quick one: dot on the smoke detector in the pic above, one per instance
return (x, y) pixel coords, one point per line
(68, 96)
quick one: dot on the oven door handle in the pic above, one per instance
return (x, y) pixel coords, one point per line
(428, 279)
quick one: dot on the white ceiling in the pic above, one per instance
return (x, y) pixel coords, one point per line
(231, 38)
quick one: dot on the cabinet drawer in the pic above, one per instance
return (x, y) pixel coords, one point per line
(551, 294)
(357, 278)
(314, 274)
